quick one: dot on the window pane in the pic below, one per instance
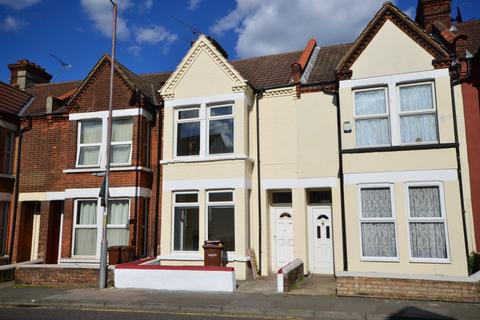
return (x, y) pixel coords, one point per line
(220, 111)
(376, 203)
(428, 240)
(188, 139)
(282, 197)
(118, 211)
(186, 197)
(414, 98)
(117, 237)
(221, 226)
(89, 156)
(91, 131)
(186, 229)
(87, 213)
(370, 102)
(85, 242)
(121, 153)
(371, 132)
(324, 196)
(221, 136)
(220, 196)
(9, 142)
(378, 239)
(424, 202)
(122, 129)
(418, 128)
(188, 114)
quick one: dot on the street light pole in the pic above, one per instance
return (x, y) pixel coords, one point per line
(104, 246)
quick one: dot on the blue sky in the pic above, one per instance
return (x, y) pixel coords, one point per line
(78, 31)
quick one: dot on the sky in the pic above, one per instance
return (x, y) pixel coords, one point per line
(154, 35)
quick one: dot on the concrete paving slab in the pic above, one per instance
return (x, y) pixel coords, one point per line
(337, 315)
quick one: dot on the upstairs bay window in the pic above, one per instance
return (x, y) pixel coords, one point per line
(92, 140)
(394, 116)
(204, 130)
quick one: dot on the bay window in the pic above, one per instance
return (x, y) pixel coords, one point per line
(205, 130)
(221, 218)
(377, 223)
(399, 114)
(427, 223)
(85, 228)
(117, 222)
(186, 222)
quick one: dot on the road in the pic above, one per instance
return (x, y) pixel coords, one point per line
(54, 313)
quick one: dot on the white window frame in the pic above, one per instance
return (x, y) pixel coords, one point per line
(442, 219)
(83, 226)
(178, 121)
(385, 115)
(393, 220)
(220, 204)
(417, 112)
(127, 142)
(203, 119)
(189, 205)
(213, 118)
(80, 145)
(121, 226)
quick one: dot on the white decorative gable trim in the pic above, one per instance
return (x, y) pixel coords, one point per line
(201, 45)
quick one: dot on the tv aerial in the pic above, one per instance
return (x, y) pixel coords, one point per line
(63, 65)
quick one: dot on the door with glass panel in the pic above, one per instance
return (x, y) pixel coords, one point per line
(321, 240)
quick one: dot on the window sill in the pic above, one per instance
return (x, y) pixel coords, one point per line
(379, 259)
(402, 147)
(7, 176)
(129, 168)
(430, 261)
(208, 159)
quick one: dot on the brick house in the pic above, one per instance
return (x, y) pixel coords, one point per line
(12, 101)
(359, 158)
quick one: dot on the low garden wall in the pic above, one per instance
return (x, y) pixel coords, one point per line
(289, 275)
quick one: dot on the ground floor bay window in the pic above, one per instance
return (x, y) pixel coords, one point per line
(87, 226)
(186, 222)
(221, 218)
(3, 227)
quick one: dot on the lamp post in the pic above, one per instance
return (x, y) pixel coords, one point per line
(104, 192)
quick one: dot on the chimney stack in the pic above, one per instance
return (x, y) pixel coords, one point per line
(429, 11)
(24, 74)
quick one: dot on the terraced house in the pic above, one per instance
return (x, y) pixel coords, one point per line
(358, 158)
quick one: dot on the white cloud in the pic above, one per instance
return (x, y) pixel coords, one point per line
(134, 50)
(12, 24)
(148, 4)
(154, 34)
(411, 12)
(101, 11)
(18, 4)
(271, 26)
(193, 4)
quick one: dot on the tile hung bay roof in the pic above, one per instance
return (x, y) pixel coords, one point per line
(327, 60)
(472, 30)
(12, 100)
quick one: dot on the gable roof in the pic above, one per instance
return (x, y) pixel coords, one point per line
(472, 30)
(133, 81)
(12, 100)
(402, 21)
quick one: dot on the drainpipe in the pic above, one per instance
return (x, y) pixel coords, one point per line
(258, 95)
(16, 188)
(158, 180)
(459, 165)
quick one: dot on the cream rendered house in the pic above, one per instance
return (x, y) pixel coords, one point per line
(352, 174)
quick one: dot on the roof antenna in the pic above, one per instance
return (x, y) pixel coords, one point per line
(63, 66)
(459, 18)
(195, 32)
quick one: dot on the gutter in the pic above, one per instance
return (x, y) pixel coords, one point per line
(16, 189)
(459, 165)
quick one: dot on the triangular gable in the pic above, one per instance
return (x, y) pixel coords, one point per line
(132, 81)
(404, 23)
(202, 45)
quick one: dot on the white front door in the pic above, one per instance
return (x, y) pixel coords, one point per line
(321, 240)
(283, 236)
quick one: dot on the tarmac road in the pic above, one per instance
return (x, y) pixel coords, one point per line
(55, 313)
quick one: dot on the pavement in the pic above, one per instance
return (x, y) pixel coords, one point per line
(261, 305)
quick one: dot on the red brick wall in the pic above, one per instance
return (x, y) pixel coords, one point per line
(59, 277)
(408, 289)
